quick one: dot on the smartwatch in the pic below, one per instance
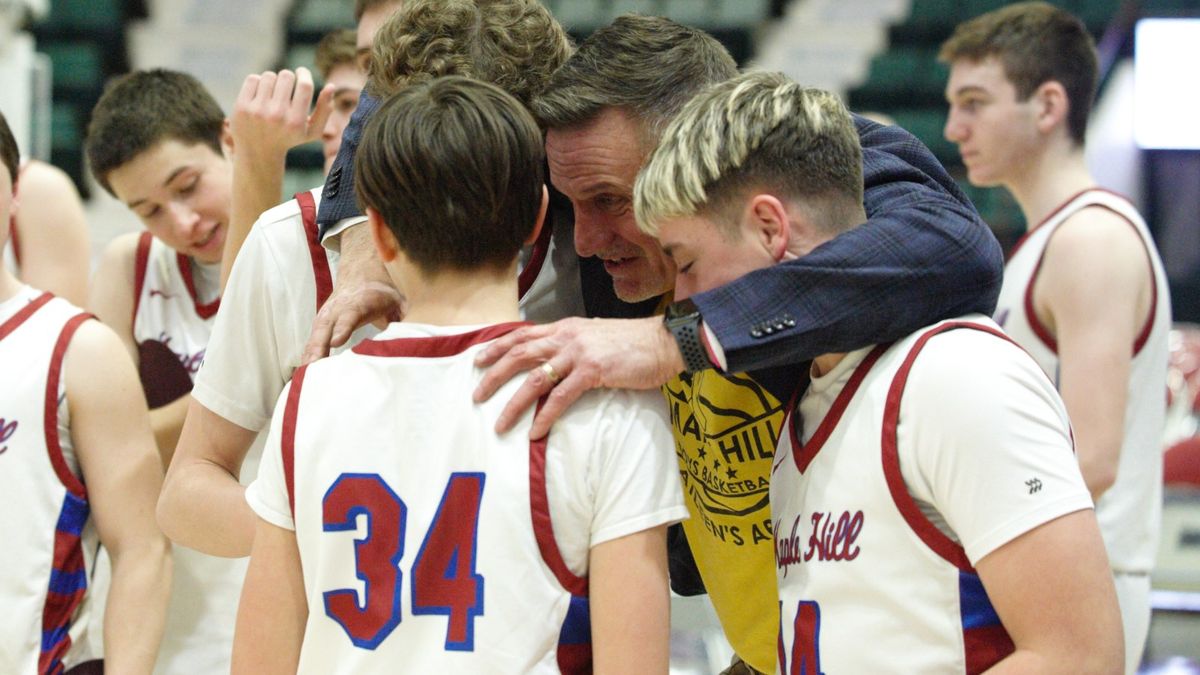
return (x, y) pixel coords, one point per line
(682, 319)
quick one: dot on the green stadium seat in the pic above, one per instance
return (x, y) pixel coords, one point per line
(902, 77)
(927, 124)
(312, 19)
(78, 69)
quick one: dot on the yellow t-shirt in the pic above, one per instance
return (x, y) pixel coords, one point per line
(725, 427)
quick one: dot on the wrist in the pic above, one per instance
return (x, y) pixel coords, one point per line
(683, 323)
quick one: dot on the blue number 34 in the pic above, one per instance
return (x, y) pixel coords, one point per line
(443, 574)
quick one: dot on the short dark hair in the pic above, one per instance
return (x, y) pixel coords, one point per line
(513, 44)
(9, 153)
(650, 66)
(363, 6)
(1035, 42)
(141, 109)
(336, 48)
(454, 167)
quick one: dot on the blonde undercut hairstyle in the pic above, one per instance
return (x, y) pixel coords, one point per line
(513, 44)
(762, 132)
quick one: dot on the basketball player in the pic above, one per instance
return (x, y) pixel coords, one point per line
(48, 245)
(157, 142)
(503, 542)
(71, 414)
(929, 514)
(283, 275)
(1084, 291)
(338, 63)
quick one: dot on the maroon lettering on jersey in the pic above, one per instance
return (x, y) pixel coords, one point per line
(7, 429)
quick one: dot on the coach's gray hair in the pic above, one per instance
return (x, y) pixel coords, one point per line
(650, 66)
(758, 131)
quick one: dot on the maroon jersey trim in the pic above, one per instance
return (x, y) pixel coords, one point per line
(290, 411)
(543, 527)
(50, 415)
(185, 270)
(140, 262)
(24, 313)
(434, 347)
(320, 262)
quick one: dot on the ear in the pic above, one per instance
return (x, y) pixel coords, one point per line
(769, 224)
(227, 138)
(1052, 106)
(381, 234)
(541, 217)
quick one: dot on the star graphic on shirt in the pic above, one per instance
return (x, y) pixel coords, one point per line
(702, 454)
(716, 463)
(731, 473)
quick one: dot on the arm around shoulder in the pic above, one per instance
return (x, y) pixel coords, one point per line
(110, 428)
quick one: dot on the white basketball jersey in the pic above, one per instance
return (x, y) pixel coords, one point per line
(1129, 512)
(167, 308)
(49, 538)
(867, 582)
(461, 514)
(549, 281)
(205, 589)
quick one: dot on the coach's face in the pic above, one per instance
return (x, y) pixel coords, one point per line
(595, 165)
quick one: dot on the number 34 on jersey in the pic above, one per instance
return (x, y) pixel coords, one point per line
(442, 580)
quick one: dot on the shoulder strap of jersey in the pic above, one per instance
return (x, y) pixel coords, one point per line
(288, 441)
(69, 480)
(312, 235)
(25, 312)
(941, 544)
(140, 264)
(543, 527)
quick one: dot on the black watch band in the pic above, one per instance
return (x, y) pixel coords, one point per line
(682, 319)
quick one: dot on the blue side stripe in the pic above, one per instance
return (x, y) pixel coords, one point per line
(577, 627)
(73, 515)
(67, 583)
(976, 607)
(52, 638)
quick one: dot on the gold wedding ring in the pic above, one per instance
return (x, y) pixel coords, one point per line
(549, 372)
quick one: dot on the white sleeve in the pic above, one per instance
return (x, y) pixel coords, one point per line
(267, 495)
(985, 439)
(252, 349)
(611, 471)
(332, 240)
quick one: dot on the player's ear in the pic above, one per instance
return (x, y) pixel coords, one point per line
(1053, 105)
(541, 217)
(227, 138)
(767, 220)
(381, 234)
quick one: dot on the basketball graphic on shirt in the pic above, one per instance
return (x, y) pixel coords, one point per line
(725, 432)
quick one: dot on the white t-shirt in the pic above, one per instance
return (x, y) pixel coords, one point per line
(916, 462)
(395, 417)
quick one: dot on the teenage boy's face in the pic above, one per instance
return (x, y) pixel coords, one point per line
(181, 193)
(705, 256)
(348, 82)
(993, 130)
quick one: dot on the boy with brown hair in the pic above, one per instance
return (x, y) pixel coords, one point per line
(1084, 291)
(520, 545)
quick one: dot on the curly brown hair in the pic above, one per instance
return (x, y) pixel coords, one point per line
(513, 44)
(337, 48)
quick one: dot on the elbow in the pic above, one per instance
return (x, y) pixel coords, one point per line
(1100, 474)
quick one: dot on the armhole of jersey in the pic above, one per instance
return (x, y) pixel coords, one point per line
(543, 527)
(288, 440)
(312, 235)
(141, 262)
(73, 483)
(537, 258)
(928, 533)
(1044, 334)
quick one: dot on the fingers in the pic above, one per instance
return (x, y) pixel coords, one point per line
(509, 358)
(317, 346)
(501, 346)
(538, 384)
(248, 91)
(322, 109)
(560, 398)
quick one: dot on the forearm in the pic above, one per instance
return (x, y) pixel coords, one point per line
(875, 283)
(257, 186)
(167, 422)
(203, 506)
(137, 606)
